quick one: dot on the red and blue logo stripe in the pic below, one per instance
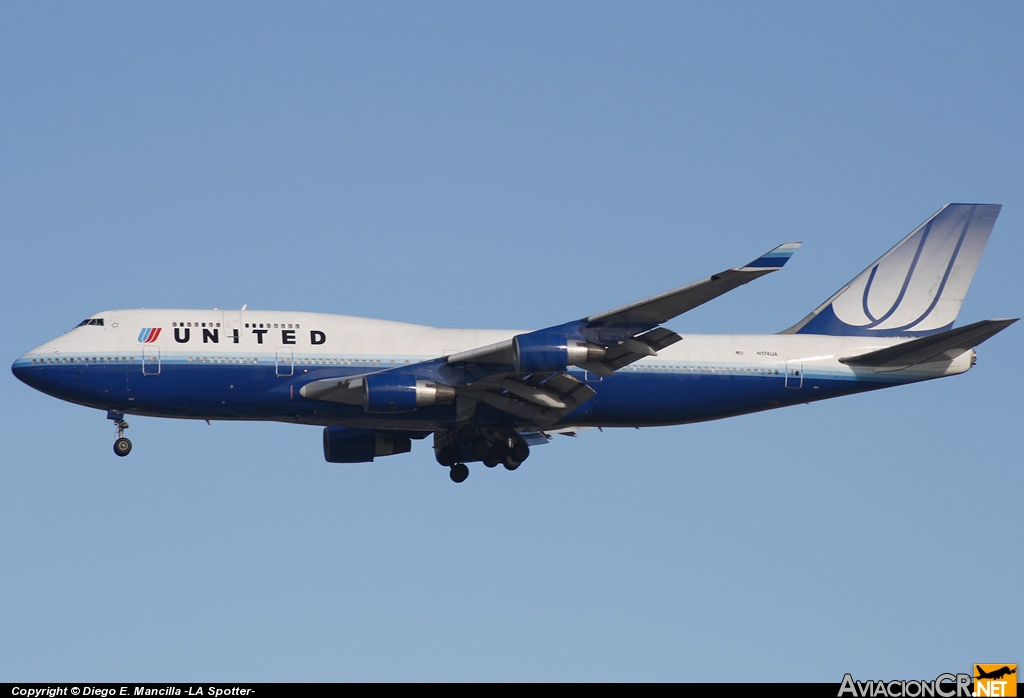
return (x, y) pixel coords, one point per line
(149, 334)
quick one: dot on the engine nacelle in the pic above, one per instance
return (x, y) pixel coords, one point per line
(384, 392)
(344, 445)
(550, 353)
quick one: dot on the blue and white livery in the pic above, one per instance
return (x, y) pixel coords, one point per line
(489, 395)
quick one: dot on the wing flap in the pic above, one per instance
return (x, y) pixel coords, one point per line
(540, 402)
(631, 350)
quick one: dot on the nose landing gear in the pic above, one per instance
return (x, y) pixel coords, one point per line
(122, 446)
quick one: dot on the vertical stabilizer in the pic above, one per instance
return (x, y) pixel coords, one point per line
(917, 287)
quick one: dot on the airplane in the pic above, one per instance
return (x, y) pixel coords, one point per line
(490, 395)
(995, 674)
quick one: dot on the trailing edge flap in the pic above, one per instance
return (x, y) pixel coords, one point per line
(631, 350)
(542, 400)
(944, 346)
(539, 438)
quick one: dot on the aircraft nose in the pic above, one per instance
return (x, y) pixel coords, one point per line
(27, 369)
(20, 368)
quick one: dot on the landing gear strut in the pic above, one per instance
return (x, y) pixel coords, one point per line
(472, 442)
(122, 446)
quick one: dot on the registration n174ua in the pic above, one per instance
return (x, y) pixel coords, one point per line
(490, 395)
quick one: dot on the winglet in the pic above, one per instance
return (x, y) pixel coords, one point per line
(775, 259)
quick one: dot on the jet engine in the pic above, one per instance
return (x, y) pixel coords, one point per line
(344, 445)
(384, 392)
(549, 352)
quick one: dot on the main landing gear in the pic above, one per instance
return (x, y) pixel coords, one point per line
(475, 443)
(122, 446)
(458, 472)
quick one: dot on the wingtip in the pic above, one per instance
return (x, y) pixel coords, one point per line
(774, 259)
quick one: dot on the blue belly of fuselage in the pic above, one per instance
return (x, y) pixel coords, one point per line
(226, 391)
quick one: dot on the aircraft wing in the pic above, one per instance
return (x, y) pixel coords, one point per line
(527, 375)
(538, 398)
(628, 333)
(658, 309)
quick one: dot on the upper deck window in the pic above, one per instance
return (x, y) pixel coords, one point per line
(97, 321)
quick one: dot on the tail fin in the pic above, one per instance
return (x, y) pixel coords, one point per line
(917, 287)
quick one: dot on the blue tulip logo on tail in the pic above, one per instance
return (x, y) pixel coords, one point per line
(148, 335)
(916, 288)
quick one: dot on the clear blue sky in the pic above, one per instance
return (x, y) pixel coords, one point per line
(506, 165)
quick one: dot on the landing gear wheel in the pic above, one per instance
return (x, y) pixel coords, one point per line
(122, 447)
(496, 454)
(466, 433)
(459, 472)
(520, 450)
(481, 447)
(447, 456)
(511, 463)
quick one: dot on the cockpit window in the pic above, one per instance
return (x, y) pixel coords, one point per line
(97, 321)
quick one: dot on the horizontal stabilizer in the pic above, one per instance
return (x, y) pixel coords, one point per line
(944, 346)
